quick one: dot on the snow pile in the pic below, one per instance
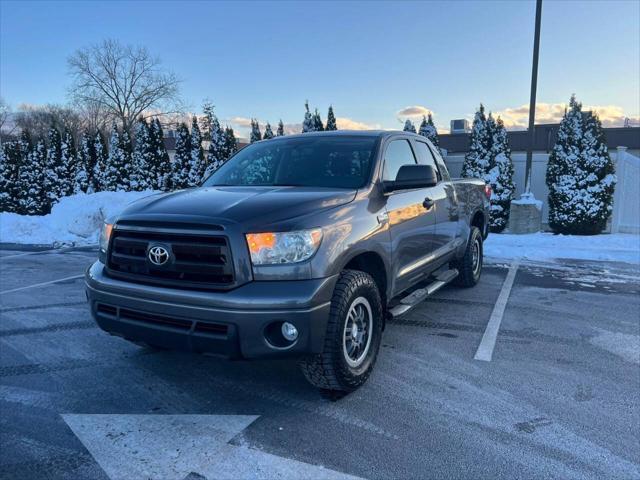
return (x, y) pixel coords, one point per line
(75, 220)
(618, 247)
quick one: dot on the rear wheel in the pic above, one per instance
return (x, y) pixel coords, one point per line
(353, 335)
(470, 265)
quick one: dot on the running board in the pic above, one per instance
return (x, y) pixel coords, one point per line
(407, 303)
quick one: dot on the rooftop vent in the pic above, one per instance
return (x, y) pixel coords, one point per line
(460, 126)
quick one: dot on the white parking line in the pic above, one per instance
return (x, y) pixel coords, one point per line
(488, 342)
(42, 284)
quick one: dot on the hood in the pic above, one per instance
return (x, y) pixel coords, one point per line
(227, 205)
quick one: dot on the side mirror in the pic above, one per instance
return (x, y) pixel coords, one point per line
(413, 176)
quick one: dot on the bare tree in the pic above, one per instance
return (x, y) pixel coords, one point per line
(37, 119)
(7, 125)
(126, 81)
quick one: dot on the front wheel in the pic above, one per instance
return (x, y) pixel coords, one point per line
(353, 335)
(470, 265)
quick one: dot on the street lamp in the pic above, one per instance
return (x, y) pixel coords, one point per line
(525, 215)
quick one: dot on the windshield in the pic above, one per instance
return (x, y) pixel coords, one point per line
(331, 161)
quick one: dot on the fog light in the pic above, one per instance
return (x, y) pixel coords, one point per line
(289, 331)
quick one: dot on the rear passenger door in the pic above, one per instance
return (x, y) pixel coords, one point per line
(444, 196)
(411, 225)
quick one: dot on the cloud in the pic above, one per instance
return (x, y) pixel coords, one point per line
(415, 111)
(517, 118)
(345, 123)
(239, 121)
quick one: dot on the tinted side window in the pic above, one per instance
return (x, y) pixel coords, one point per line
(441, 164)
(398, 153)
(426, 158)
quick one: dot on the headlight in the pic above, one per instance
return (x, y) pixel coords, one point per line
(105, 235)
(288, 247)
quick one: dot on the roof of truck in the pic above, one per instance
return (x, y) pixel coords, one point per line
(359, 133)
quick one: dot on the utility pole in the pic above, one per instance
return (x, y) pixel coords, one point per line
(532, 103)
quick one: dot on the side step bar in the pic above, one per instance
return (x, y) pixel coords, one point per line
(407, 303)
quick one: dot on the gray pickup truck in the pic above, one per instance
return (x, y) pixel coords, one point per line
(300, 246)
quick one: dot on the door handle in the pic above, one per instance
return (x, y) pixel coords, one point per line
(428, 203)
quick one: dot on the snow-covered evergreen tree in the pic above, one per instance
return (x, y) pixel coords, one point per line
(100, 167)
(580, 175)
(55, 171)
(181, 164)
(409, 126)
(9, 176)
(116, 175)
(280, 131)
(161, 165)
(476, 161)
(207, 120)
(317, 122)
(331, 120)
(308, 125)
(141, 177)
(198, 162)
(85, 164)
(500, 175)
(217, 152)
(255, 134)
(33, 199)
(68, 156)
(428, 130)
(230, 143)
(268, 133)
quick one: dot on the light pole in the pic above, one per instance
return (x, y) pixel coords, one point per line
(532, 102)
(525, 214)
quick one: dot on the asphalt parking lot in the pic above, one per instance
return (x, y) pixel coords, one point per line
(558, 399)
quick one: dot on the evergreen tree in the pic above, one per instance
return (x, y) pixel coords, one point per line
(280, 131)
(181, 164)
(230, 144)
(580, 175)
(34, 200)
(85, 164)
(100, 167)
(331, 120)
(317, 122)
(207, 120)
(141, 177)
(255, 135)
(55, 171)
(308, 125)
(198, 163)
(161, 165)
(489, 158)
(476, 161)
(216, 153)
(116, 175)
(268, 133)
(428, 130)
(500, 175)
(9, 176)
(68, 156)
(409, 126)
(22, 186)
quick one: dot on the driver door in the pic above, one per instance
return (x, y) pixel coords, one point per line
(411, 223)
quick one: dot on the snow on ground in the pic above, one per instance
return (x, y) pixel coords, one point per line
(618, 247)
(75, 220)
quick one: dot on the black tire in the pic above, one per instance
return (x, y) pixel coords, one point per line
(330, 370)
(470, 266)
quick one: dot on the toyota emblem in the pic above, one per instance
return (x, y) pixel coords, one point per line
(158, 255)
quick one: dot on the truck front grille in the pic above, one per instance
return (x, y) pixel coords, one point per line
(195, 261)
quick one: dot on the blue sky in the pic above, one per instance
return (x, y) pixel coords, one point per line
(369, 59)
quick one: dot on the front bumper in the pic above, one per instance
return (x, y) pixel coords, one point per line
(228, 323)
